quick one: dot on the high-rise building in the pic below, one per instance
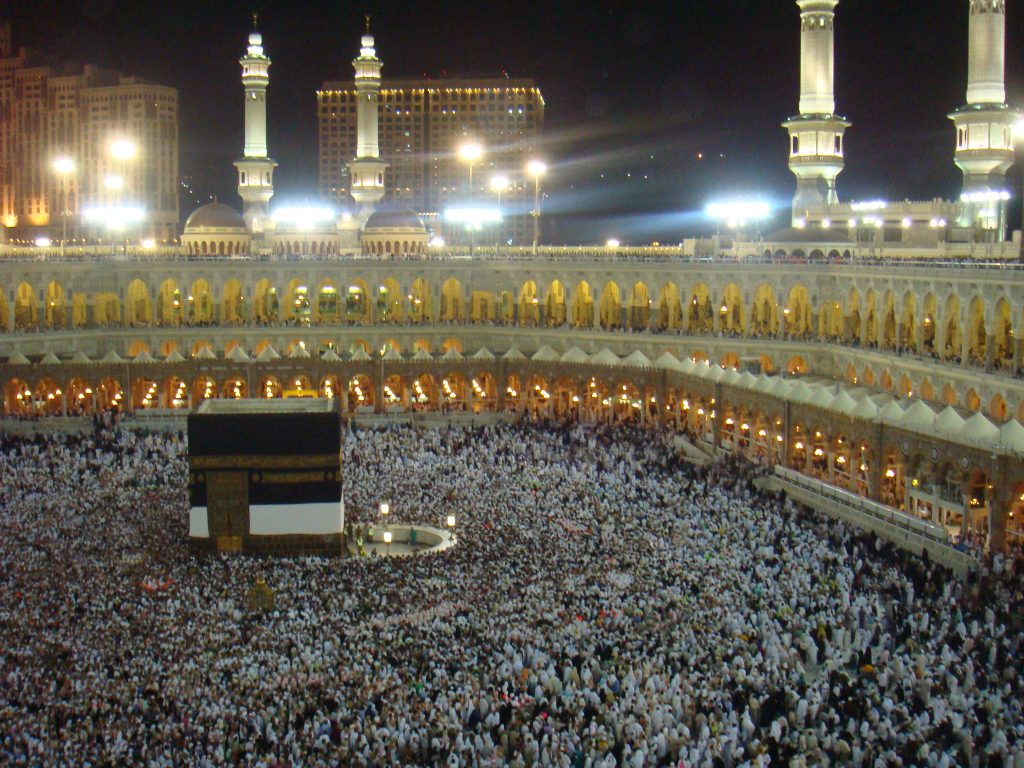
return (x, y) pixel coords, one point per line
(422, 124)
(117, 134)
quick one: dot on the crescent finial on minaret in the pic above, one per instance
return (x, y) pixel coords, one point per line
(367, 23)
(255, 19)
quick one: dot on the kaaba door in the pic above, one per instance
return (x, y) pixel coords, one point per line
(227, 501)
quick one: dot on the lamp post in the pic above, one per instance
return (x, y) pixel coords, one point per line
(536, 168)
(387, 543)
(499, 183)
(64, 166)
(451, 526)
(471, 152)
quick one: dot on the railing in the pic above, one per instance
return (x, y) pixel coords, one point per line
(1006, 256)
(902, 529)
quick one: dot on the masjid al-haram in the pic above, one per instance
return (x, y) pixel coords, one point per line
(388, 479)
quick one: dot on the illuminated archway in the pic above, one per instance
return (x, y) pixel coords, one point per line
(328, 304)
(357, 302)
(764, 312)
(421, 308)
(908, 323)
(699, 314)
(1002, 335)
(554, 305)
(170, 311)
(199, 307)
(235, 389)
(670, 308)
(639, 312)
(232, 305)
(203, 388)
(137, 307)
(889, 337)
(611, 307)
(871, 331)
(851, 323)
(297, 308)
(797, 312)
(265, 307)
(951, 350)
(582, 306)
(390, 302)
(929, 313)
(529, 304)
(56, 305)
(453, 302)
(26, 307)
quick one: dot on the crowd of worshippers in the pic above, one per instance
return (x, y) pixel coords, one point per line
(607, 604)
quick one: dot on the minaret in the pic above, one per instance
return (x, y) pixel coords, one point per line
(255, 169)
(367, 169)
(984, 125)
(816, 134)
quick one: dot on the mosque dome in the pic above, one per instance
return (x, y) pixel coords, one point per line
(216, 229)
(215, 216)
(400, 219)
(394, 232)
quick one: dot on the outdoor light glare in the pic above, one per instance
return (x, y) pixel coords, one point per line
(384, 508)
(64, 164)
(738, 210)
(303, 216)
(612, 243)
(473, 217)
(122, 149)
(114, 215)
(43, 242)
(471, 152)
(536, 168)
(451, 521)
(387, 537)
(499, 183)
(113, 181)
(869, 205)
(985, 196)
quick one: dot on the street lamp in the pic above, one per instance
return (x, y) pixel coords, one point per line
(387, 543)
(64, 167)
(536, 168)
(471, 153)
(499, 183)
(123, 149)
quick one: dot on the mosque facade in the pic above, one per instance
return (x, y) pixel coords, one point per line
(888, 365)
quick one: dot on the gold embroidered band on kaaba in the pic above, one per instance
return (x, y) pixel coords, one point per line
(265, 462)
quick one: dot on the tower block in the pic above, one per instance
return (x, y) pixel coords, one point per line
(367, 169)
(984, 125)
(255, 169)
(816, 133)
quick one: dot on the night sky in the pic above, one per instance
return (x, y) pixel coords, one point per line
(637, 93)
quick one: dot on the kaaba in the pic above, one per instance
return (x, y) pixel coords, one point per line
(265, 476)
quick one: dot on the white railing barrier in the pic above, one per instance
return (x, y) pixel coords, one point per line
(905, 530)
